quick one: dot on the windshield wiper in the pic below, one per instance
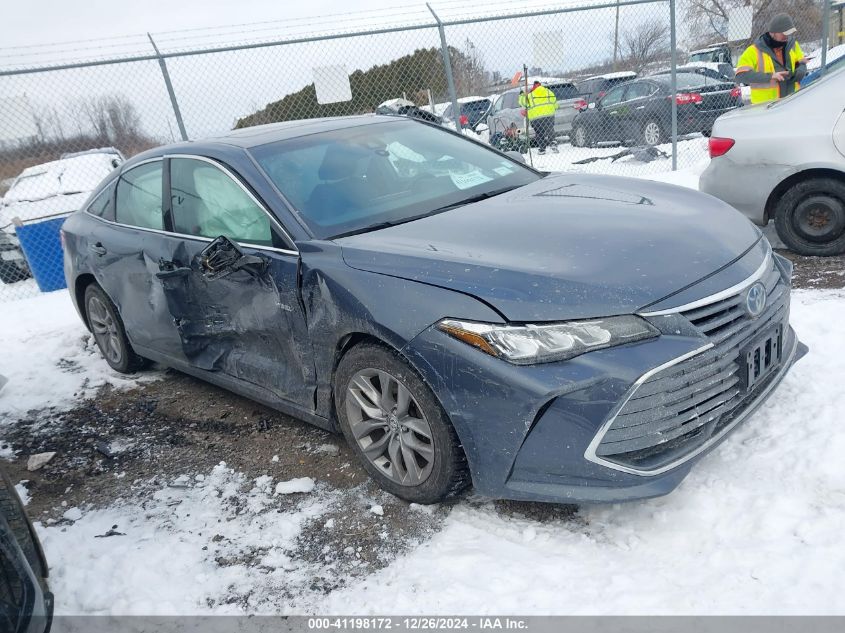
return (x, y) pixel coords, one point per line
(476, 198)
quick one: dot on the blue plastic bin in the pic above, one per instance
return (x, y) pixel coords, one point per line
(42, 248)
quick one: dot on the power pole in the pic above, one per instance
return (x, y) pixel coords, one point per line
(616, 39)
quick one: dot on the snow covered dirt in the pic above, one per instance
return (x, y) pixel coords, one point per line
(169, 496)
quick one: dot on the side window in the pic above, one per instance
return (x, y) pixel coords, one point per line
(613, 97)
(208, 203)
(639, 90)
(499, 104)
(103, 205)
(511, 100)
(139, 197)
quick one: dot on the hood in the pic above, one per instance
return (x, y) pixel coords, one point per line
(565, 247)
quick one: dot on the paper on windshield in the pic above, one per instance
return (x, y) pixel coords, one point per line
(470, 179)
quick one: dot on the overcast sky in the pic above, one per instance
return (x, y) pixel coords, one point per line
(49, 21)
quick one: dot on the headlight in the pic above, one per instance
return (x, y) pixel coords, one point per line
(528, 344)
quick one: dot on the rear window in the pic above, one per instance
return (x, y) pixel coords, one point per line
(564, 91)
(475, 106)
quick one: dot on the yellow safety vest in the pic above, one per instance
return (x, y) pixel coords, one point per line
(754, 59)
(540, 102)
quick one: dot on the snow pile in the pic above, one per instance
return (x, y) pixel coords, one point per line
(302, 484)
(49, 357)
(186, 550)
(23, 492)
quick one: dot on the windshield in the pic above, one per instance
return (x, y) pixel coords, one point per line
(350, 179)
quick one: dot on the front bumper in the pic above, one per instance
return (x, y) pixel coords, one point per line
(531, 432)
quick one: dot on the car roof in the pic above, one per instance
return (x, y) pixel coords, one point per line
(254, 136)
(622, 74)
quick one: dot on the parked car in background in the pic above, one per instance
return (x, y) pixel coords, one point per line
(44, 191)
(506, 112)
(594, 88)
(407, 108)
(26, 604)
(835, 59)
(458, 315)
(473, 110)
(641, 110)
(708, 72)
(776, 162)
(716, 54)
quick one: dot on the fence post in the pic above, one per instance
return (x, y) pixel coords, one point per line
(447, 63)
(674, 53)
(825, 33)
(170, 92)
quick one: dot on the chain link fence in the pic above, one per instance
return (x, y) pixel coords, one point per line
(618, 106)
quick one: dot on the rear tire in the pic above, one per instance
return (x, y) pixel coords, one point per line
(109, 332)
(652, 133)
(396, 427)
(580, 137)
(810, 217)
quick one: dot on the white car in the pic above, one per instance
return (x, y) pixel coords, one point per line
(45, 191)
(785, 160)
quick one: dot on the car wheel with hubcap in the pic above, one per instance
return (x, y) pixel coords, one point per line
(652, 133)
(810, 217)
(579, 137)
(396, 426)
(109, 332)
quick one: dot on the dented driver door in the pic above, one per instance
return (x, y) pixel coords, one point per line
(230, 286)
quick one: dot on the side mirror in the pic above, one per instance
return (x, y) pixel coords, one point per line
(516, 156)
(223, 257)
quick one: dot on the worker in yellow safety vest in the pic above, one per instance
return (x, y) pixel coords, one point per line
(774, 64)
(540, 106)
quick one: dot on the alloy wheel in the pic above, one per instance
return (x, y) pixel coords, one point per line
(580, 137)
(651, 133)
(105, 330)
(390, 427)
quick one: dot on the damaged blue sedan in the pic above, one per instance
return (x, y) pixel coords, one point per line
(459, 317)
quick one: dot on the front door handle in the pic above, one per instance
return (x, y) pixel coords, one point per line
(98, 249)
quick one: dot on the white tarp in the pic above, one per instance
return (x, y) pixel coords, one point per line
(547, 50)
(17, 122)
(332, 84)
(739, 23)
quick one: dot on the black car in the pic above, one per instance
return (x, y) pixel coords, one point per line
(26, 605)
(641, 110)
(594, 88)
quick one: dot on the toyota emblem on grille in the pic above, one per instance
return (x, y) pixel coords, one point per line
(755, 299)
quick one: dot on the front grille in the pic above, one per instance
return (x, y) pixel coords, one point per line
(681, 407)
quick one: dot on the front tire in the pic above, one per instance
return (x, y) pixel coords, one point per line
(396, 426)
(109, 332)
(810, 217)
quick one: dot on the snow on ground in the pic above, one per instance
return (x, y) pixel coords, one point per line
(48, 356)
(756, 528)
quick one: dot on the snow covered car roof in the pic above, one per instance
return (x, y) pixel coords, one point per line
(618, 75)
(57, 187)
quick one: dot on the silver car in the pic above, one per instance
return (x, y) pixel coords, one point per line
(506, 112)
(785, 161)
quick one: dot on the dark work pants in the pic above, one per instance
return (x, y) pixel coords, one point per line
(544, 130)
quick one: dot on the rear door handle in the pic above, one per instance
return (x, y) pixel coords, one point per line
(98, 249)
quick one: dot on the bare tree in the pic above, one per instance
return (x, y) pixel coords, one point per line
(645, 44)
(113, 119)
(707, 20)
